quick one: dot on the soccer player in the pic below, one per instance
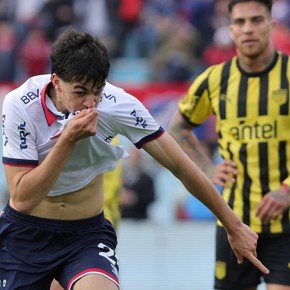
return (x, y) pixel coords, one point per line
(249, 96)
(57, 130)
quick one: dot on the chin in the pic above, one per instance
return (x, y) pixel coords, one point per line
(251, 53)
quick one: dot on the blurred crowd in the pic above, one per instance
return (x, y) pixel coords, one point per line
(178, 38)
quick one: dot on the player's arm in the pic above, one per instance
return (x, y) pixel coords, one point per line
(183, 132)
(29, 186)
(168, 153)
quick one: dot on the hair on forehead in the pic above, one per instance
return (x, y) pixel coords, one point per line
(266, 3)
(79, 57)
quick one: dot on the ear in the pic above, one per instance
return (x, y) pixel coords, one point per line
(56, 82)
(231, 31)
(274, 24)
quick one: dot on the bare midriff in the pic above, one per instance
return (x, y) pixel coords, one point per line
(83, 203)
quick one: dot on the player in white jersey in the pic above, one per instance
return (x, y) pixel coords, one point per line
(56, 135)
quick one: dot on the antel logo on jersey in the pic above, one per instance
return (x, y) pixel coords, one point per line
(23, 134)
(254, 131)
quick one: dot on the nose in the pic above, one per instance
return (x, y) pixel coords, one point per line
(90, 102)
(248, 27)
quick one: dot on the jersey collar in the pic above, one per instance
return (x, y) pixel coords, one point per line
(50, 111)
(257, 74)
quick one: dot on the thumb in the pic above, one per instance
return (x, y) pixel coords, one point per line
(240, 257)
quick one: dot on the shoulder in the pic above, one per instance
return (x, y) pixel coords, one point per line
(218, 68)
(28, 92)
(116, 98)
(214, 73)
(117, 93)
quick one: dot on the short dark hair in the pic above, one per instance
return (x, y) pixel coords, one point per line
(267, 3)
(77, 56)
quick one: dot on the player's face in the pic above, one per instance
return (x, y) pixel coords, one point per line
(251, 29)
(77, 96)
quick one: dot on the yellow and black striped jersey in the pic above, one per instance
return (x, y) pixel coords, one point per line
(253, 124)
(112, 186)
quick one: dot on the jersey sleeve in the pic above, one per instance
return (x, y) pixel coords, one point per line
(132, 120)
(195, 106)
(19, 147)
(287, 181)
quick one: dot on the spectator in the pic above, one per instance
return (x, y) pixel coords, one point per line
(8, 46)
(221, 49)
(34, 54)
(55, 16)
(174, 58)
(138, 189)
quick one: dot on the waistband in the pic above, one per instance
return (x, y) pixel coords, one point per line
(53, 224)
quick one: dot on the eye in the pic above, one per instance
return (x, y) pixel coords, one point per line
(257, 19)
(239, 22)
(80, 94)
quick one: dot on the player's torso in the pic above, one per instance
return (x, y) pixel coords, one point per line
(83, 203)
(253, 124)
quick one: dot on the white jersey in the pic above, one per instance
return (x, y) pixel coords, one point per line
(32, 124)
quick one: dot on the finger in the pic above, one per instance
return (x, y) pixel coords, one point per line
(90, 117)
(257, 263)
(230, 163)
(91, 113)
(230, 167)
(269, 211)
(263, 208)
(220, 182)
(226, 168)
(275, 211)
(225, 177)
(239, 256)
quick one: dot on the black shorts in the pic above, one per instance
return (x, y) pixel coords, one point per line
(34, 250)
(273, 251)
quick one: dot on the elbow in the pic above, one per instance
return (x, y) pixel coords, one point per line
(24, 207)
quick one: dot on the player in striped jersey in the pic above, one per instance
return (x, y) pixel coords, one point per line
(249, 96)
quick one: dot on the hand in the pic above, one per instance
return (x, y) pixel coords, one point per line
(224, 173)
(83, 125)
(273, 204)
(244, 243)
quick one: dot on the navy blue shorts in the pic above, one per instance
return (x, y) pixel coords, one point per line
(35, 250)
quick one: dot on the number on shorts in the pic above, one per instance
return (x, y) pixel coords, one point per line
(108, 253)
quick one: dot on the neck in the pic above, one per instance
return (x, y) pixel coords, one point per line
(53, 97)
(52, 93)
(256, 64)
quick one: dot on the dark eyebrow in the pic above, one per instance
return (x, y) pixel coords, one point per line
(80, 87)
(251, 18)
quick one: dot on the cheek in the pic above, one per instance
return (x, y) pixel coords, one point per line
(97, 100)
(236, 34)
(74, 104)
(266, 33)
